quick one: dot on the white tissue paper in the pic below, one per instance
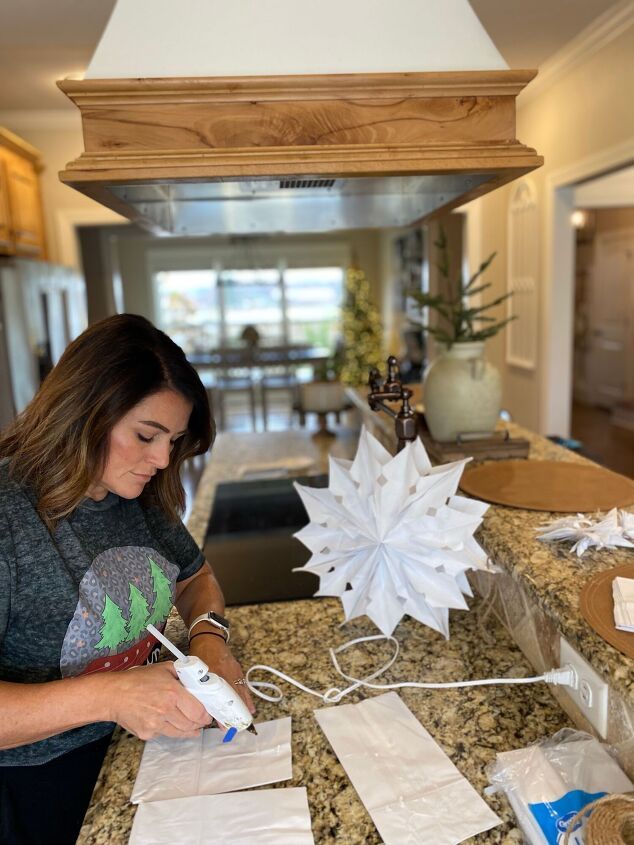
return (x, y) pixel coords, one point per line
(623, 594)
(390, 537)
(548, 783)
(413, 792)
(262, 817)
(616, 528)
(204, 765)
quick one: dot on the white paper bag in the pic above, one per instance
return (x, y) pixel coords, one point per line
(262, 817)
(204, 765)
(413, 792)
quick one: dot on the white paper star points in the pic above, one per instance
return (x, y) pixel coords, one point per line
(616, 528)
(391, 537)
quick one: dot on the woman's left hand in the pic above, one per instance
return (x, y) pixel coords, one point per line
(218, 657)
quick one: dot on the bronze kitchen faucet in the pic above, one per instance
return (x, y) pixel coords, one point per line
(392, 390)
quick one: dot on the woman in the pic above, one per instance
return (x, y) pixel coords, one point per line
(92, 550)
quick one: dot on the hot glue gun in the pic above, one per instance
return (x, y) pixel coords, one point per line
(218, 698)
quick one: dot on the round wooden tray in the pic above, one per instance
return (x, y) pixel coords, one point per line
(597, 608)
(558, 486)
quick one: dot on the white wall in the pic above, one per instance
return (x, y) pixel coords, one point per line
(583, 116)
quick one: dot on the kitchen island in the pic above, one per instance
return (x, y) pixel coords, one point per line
(471, 725)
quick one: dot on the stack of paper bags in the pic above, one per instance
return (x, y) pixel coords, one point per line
(184, 789)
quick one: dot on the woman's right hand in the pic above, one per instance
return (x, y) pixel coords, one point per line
(150, 701)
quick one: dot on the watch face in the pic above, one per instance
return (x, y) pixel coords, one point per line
(219, 619)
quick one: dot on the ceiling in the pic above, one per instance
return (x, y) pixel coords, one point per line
(45, 40)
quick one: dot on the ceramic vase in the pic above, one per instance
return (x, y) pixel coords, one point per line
(461, 392)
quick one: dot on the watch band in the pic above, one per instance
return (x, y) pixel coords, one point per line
(214, 619)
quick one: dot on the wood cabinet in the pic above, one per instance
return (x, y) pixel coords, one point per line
(21, 219)
(5, 217)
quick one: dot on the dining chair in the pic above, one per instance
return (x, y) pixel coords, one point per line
(233, 377)
(278, 380)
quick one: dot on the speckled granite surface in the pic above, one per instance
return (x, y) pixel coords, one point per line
(553, 575)
(470, 725)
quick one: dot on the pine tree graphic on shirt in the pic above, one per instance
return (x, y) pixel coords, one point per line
(138, 613)
(124, 589)
(114, 629)
(162, 594)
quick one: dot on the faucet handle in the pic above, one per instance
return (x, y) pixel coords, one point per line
(374, 380)
(393, 380)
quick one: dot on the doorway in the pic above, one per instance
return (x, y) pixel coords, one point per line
(602, 411)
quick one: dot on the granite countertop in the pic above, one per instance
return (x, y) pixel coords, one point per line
(553, 574)
(471, 725)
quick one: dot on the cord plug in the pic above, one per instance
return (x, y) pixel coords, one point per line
(564, 676)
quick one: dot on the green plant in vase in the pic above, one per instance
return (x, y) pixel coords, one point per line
(461, 390)
(463, 322)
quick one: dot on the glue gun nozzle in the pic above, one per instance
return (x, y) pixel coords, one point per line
(252, 729)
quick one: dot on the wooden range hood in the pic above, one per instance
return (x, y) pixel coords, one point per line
(268, 154)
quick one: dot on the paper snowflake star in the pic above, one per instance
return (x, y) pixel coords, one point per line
(390, 537)
(616, 528)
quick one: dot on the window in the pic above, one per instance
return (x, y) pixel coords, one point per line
(207, 309)
(189, 308)
(313, 305)
(252, 297)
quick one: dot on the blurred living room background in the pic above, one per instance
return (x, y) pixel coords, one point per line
(262, 317)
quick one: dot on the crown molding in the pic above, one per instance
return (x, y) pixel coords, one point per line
(23, 120)
(604, 29)
(309, 87)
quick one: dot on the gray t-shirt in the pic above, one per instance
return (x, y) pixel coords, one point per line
(80, 601)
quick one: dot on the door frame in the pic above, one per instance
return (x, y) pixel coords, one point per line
(556, 345)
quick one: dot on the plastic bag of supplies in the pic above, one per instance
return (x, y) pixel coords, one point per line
(548, 783)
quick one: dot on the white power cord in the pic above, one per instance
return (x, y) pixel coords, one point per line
(563, 676)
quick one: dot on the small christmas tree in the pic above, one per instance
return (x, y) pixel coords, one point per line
(113, 631)
(138, 613)
(162, 594)
(361, 331)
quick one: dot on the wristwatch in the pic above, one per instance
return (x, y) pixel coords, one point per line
(214, 619)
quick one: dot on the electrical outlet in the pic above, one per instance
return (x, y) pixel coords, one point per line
(591, 693)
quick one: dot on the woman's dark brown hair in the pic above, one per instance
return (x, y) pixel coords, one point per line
(58, 445)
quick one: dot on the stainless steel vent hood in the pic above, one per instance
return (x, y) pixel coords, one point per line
(296, 151)
(268, 207)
